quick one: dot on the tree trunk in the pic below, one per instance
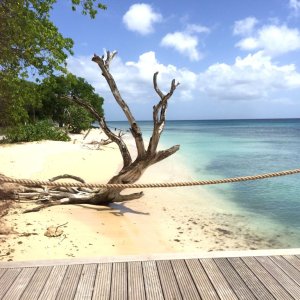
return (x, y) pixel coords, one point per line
(131, 170)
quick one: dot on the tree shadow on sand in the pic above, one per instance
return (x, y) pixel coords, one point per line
(117, 209)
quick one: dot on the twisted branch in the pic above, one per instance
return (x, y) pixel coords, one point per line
(104, 64)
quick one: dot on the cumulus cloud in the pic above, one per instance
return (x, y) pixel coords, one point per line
(252, 77)
(245, 26)
(134, 79)
(140, 18)
(186, 42)
(271, 39)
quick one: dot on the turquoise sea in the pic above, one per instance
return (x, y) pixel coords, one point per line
(230, 148)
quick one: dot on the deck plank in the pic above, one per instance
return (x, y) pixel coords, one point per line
(238, 285)
(253, 283)
(53, 283)
(102, 282)
(36, 283)
(294, 260)
(267, 279)
(152, 282)
(245, 277)
(202, 282)
(289, 269)
(136, 287)
(69, 284)
(7, 280)
(280, 276)
(218, 280)
(185, 281)
(86, 282)
(2, 271)
(168, 280)
(119, 281)
(19, 285)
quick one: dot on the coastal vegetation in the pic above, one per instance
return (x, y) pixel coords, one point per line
(67, 100)
(32, 50)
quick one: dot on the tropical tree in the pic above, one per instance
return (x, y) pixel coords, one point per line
(30, 44)
(132, 169)
(55, 106)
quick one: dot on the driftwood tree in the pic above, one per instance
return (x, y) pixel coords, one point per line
(132, 170)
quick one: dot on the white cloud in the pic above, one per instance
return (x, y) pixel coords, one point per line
(140, 18)
(272, 39)
(184, 43)
(245, 26)
(134, 79)
(252, 77)
(195, 28)
(295, 6)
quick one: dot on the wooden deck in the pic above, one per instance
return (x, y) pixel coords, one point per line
(247, 277)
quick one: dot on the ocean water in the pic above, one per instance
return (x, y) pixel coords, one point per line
(229, 148)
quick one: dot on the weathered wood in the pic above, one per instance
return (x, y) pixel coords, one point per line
(184, 279)
(131, 171)
(2, 271)
(237, 284)
(280, 276)
(7, 280)
(19, 285)
(152, 282)
(104, 64)
(53, 283)
(202, 282)
(136, 287)
(267, 279)
(102, 282)
(119, 281)
(294, 260)
(264, 278)
(289, 269)
(36, 284)
(168, 280)
(70, 282)
(218, 280)
(86, 282)
(253, 283)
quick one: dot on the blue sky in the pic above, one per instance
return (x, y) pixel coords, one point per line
(234, 59)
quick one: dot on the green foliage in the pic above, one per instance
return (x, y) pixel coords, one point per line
(42, 130)
(63, 111)
(88, 6)
(78, 119)
(18, 105)
(30, 43)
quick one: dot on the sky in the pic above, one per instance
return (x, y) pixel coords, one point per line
(233, 59)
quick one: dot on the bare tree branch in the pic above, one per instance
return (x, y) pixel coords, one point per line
(131, 171)
(64, 176)
(159, 114)
(104, 64)
(115, 138)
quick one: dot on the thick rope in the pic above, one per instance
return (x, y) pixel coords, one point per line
(29, 182)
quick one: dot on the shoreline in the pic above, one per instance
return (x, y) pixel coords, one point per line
(159, 222)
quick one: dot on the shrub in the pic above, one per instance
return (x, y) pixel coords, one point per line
(42, 130)
(78, 119)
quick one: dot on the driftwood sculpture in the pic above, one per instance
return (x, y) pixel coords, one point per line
(131, 171)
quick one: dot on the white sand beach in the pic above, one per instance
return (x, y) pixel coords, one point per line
(164, 220)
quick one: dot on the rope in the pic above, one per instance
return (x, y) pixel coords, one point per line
(30, 182)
